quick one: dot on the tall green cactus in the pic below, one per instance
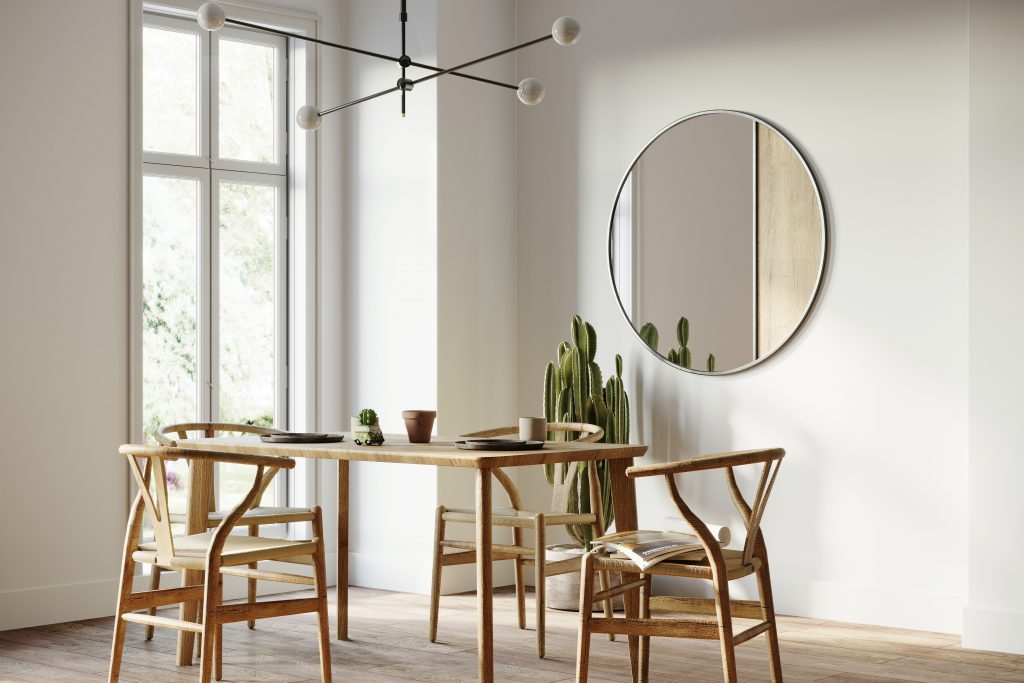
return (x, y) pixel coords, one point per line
(573, 392)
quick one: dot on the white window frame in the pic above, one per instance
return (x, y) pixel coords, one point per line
(278, 182)
(302, 224)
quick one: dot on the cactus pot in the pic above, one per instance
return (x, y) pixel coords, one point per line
(419, 424)
(563, 591)
(362, 433)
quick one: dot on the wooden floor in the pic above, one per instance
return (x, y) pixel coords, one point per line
(389, 644)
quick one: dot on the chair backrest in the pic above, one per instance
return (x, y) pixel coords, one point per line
(155, 473)
(571, 431)
(209, 430)
(769, 460)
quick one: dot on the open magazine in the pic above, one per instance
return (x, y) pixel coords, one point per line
(647, 548)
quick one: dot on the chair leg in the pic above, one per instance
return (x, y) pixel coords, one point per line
(254, 530)
(218, 652)
(435, 577)
(586, 598)
(539, 579)
(154, 584)
(764, 586)
(724, 613)
(120, 625)
(645, 641)
(323, 620)
(214, 588)
(517, 539)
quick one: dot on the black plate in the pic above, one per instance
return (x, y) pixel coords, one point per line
(302, 437)
(499, 445)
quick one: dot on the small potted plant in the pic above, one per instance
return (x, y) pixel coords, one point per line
(366, 429)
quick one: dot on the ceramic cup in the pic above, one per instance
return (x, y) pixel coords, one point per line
(419, 424)
(533, 428)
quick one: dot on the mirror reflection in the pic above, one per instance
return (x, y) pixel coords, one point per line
(717, 242)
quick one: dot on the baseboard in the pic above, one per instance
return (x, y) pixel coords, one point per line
(940, 612)
(412, 575)
(997, 630)
(56, 604)
(850, 603)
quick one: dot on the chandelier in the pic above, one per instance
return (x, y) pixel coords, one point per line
(565, 31)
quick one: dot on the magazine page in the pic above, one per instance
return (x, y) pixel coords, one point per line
(647, 548)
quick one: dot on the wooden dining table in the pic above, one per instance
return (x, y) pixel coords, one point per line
(443, 453)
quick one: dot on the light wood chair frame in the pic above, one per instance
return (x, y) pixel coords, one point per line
(716, 564)
(535, 522)
(252, 519)
(215, 564)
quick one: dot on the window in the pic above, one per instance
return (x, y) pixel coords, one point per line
(214, 234)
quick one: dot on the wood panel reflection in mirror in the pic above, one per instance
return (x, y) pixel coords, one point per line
(717, 242)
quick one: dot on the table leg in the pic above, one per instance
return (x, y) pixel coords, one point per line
(624, 501)
(484, 579)
(200, 487)
(343, 550)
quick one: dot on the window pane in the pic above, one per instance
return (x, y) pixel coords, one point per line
(248, 222)
(170, 224)
(247, 107)
(170, 91)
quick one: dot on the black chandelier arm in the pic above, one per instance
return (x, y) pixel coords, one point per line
(359, 101)
(439, 71)
(453, 69)
(318, 41)
(462, 75)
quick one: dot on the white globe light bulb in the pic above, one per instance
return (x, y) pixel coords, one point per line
(531, 91)
(211, 16)
(308, 118)
(565, 31)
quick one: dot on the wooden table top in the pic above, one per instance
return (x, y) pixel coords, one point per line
(440, 451)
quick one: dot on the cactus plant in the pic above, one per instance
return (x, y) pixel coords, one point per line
(680, 356)
(366, 430)
(649, 333)
(573, 392)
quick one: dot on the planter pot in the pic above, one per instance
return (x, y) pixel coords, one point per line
(419, 424)
(563, 591)
(367, 435)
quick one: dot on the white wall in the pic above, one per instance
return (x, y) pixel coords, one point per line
(64, 275)
(870, 398)
(475, 249)
(389, 278)
(429, 270)
(994, 618)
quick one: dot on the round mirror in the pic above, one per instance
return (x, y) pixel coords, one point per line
(717, 242)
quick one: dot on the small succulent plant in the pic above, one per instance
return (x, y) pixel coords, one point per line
(367, 432)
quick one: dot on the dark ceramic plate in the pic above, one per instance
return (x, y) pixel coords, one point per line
(499, 445)
(302, 437)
